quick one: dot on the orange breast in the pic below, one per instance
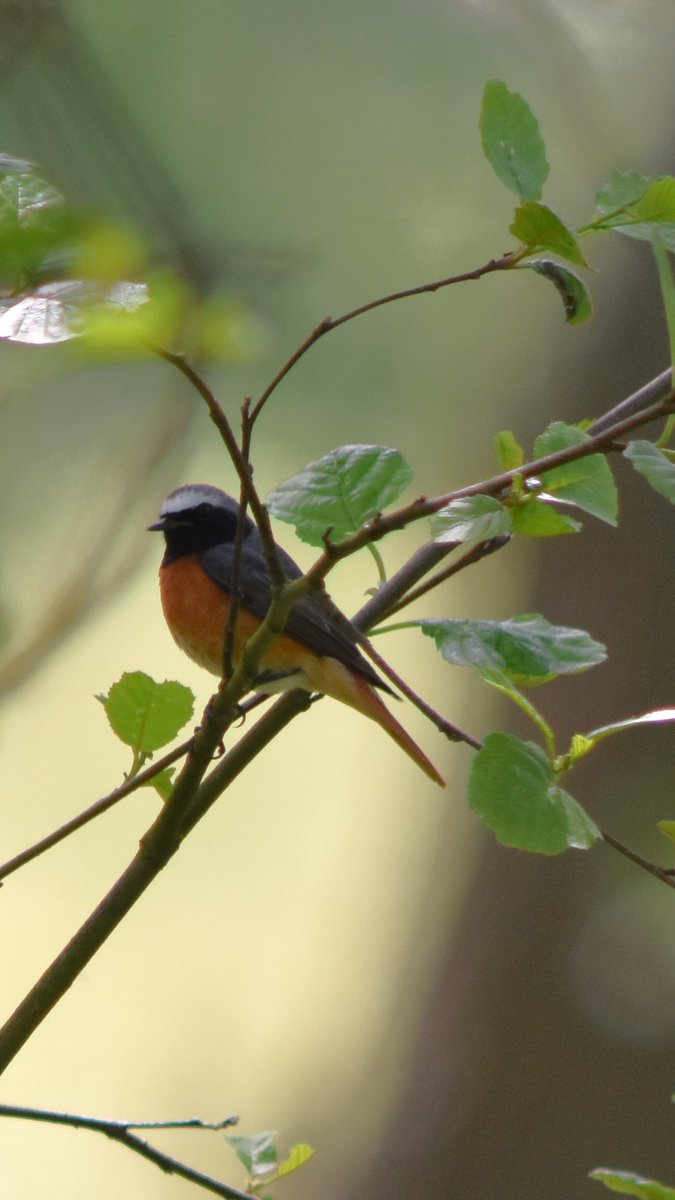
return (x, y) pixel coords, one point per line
(197, 611)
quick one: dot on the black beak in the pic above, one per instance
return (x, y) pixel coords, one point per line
(160, 526)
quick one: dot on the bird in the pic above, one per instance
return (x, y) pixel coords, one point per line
(318, 649)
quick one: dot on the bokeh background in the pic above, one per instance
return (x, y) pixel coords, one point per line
(340, 951)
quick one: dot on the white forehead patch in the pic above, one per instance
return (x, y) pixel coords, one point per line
(190, 496)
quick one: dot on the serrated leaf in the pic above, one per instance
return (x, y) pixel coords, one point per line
(513, 788)
(510, 453)
(654, 466)
(528, 648)
(145, 714)
(573, 291)
(580, 746)
(341, 491)
(629, 1184)
(297, 1158)
(256, 1152)
(535, 518)
(620, 189)
(512, 142)
(537, 227)
(471, 518)
(586, 482)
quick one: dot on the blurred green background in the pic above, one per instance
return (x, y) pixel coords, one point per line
(340, 951)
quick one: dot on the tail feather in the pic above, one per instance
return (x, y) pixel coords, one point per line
(380, 713)
(334, 679)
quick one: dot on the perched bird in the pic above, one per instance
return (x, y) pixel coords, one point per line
(317, 651)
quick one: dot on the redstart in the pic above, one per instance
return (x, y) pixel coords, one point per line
(317, 651)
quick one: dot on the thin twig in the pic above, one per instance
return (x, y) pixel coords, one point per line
(453, 732)
(655, 389)
(330, 323)
(666, 875)
(476, 554)
(237, 455)
(119, 1131)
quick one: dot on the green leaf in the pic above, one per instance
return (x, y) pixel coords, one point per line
(297, 1158)
(256, 1152)
(144, 714)
(629, 1184)
(586, 482)
(512, 142)
(539, 228)
(534, 518)
(36, 226)
(580, 746)
(513, 788)
(654, 213)
(471, 518)
(528, 648)
(654, 466)
(657, 204)
(621, 189)
(340, 492)
(575, 295)
(645, 208)
(510, 453)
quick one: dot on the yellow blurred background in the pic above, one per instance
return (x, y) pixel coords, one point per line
(339, 951)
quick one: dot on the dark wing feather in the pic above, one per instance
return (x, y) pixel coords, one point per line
(315, 620)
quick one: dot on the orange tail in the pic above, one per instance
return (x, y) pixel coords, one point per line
(373, 707)
(331, 677)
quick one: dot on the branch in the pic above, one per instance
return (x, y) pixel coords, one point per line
(238, 456)
(187, 804)
(450, 731)
(665, 874)
(378, 528)
(330, 323)
(119, 1131)
(474, 555)
(193, 794)
(656, 389)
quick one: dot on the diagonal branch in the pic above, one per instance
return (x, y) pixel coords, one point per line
(378, 528)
